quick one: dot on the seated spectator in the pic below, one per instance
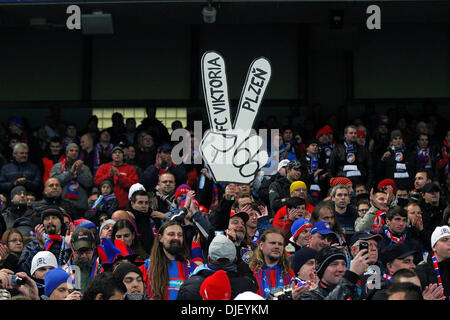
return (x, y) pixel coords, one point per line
(122, 175)
(279, 190)
(53, 154)
(436, 269)
(404, 291)
(270, 264)
(20, 171)
(75, 179)
(18, 210)
(163, 164)
(49, 236)
(42, 262)
(294, 209)
(52, 196)
(105, 286)
(107, 202)
(124, 230)
(12, 249)
(304, 266)
(57, 286)
(396, 232)
(374, 219)
(221, 256)
(132, 278)
(336, 282)
(145, 150)
(301, 235)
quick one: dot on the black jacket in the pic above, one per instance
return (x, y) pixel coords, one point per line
(427, 274)
(151, 175)
(363, 159)
(278, 190)
(190, 289)
(344, 290)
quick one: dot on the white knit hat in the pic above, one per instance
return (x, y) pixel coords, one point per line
(135, 187)
(439, 233)
(43, 259)
(104, 224)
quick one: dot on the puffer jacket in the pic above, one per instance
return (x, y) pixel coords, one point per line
(344, 290)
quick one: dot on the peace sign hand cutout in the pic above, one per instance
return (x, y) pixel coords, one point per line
(233, 152)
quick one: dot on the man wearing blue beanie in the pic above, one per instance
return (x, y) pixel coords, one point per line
(58, 286)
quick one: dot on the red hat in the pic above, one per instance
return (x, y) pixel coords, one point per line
(340, 180)
(360, 133)
(216, 287)
(324, 130)
(387, 182)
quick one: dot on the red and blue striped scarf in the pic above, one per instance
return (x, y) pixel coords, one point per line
(269, 278)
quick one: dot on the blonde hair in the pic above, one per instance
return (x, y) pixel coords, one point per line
(257, 261)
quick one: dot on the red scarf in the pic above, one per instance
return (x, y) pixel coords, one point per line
(51, 241)
(378, 222)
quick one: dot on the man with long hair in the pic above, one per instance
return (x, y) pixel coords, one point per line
(270, 264)
(169, 265)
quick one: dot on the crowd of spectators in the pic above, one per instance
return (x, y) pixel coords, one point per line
(356, 210)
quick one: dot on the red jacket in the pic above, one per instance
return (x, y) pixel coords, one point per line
(281, 220)
(127, 178)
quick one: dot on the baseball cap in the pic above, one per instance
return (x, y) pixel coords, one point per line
(216, 287)
(117, 148)
(222, 248)
(43, 259)
(439, 233)
(244, 215)
(430, 187)
(322, 227)
(395, 251)
(282, 164)
(82, 238)
(363, 235)
(297, 165)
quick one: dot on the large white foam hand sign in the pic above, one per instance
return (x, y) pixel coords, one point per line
(233, 152)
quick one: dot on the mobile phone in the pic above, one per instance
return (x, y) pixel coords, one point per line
(364, 245)
(4, 243)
